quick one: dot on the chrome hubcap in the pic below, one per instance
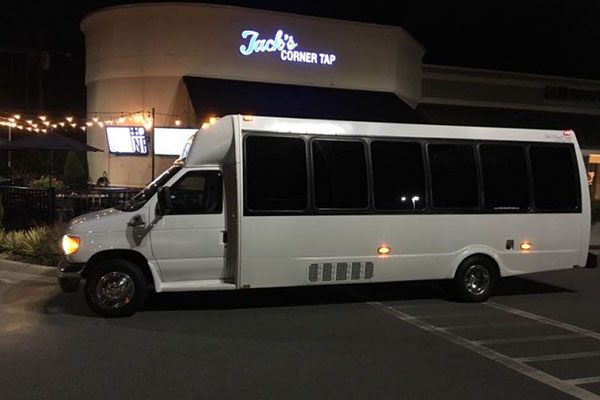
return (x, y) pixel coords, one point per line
(477, 279)
(114, 290)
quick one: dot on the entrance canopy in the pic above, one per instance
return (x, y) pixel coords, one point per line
(218, 97)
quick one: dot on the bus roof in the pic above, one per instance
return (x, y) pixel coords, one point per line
(382, 129)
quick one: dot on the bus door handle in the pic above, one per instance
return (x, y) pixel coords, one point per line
(224, 237)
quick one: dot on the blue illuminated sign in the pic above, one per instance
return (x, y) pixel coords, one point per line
(285, 45)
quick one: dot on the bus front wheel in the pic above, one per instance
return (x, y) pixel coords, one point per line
(116, 288)
(475, 279)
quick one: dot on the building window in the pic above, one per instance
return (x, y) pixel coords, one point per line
(505, 177)
(554, 178)
(340, 174)
(398, 175)
(276, 177)
(453, 176)
(197, 192)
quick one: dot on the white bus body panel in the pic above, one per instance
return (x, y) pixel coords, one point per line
(278, 250)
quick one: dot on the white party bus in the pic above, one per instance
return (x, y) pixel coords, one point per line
(258, 202)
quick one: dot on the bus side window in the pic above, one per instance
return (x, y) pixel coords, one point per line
(453, 175)
(505, 177)
(197, 192)
(398, 175)
(555, 185)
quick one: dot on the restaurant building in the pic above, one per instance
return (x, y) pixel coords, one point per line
(191, 61)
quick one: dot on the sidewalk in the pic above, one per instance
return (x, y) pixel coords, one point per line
(19, 271)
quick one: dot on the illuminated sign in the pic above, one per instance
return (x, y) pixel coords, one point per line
(171, 141)
(285, 45)
(127, 140)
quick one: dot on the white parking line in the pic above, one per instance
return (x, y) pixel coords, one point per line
(553, 357)
(499, 325)
(528, 339)
(549, 321)
(584, 381)
(569, 386)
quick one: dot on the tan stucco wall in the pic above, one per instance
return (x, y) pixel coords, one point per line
(167, 95)
(137, 54)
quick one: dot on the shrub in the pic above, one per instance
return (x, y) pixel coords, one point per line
(73, 169)
(39, 245)
(1, 212)
(42, 183)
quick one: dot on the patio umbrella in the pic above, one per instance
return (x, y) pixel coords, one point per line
(49, 141)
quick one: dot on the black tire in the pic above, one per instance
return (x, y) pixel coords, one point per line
(475, 279)
(123, 301)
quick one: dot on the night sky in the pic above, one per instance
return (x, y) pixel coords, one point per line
(539, 36)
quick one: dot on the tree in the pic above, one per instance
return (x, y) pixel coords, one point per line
(73, 169)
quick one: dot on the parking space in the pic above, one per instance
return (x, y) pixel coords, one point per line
(530, 344)
(537, 339)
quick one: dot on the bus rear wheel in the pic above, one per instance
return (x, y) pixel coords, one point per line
(116, 288)
(475, 279)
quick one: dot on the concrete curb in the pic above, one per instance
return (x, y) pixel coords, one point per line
(34, 269)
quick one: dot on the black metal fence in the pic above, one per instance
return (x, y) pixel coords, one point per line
(25, 207)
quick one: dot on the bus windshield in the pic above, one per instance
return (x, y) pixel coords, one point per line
(143, 196)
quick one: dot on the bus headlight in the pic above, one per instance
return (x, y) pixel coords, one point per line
(70, 244)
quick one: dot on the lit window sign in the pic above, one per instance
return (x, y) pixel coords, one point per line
(171, 141)
(127, 140)
(285, 45)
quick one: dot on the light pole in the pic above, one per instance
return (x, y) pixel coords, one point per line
(9, 139)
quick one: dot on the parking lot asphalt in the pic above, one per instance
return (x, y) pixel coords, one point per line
(538, 338)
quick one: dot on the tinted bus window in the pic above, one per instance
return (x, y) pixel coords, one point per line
(453, 176)
(398, 175)
(554, 177)
(505, 177)
(340, 174)
(276, 177)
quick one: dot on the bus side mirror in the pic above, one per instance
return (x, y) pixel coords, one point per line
(164, 200)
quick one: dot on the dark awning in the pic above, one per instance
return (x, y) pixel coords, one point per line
(49, 141)
(218, 97)
(586, 127)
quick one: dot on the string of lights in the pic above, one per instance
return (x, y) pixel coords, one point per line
(43, 122)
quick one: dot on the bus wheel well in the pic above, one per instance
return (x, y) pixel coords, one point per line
(485, 256)
(130, 255)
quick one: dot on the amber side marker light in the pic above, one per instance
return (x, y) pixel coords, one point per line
(70, 244)
(248, 118)
(526, 246)
(384, 250)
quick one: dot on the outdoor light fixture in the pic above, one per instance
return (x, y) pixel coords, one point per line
(17, 116)
(89, 123)
(69, 119)
(43, 117)
(70, 244)
(384, 250)
(177, 122)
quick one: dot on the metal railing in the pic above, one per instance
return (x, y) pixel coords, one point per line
(25, 207)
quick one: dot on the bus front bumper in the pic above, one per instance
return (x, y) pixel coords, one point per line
(69, 276)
